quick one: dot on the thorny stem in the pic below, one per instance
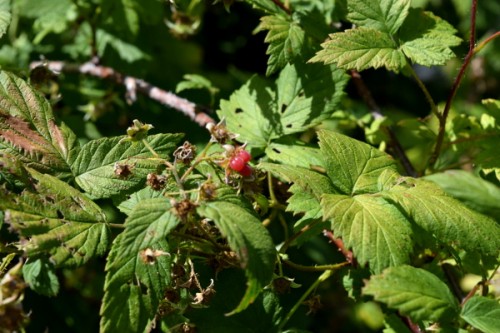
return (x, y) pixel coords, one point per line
(422, 86)
(481, 45)
(367, 97)
(323, 277)
(458, 79)
(132, 85)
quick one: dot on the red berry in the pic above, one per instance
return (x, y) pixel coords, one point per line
(246, 171)
(244, 155)
(237, 163)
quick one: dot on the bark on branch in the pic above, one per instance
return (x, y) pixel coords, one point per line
(132, 86)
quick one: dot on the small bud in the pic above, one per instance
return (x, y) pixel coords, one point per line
(137, 132)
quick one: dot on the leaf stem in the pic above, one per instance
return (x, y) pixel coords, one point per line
(481, 45)
(422, 87)
(173, 169)
(147, 145)
(198, 159)
(323, 277)
(316, 268)
(117, 225)
(444, 116)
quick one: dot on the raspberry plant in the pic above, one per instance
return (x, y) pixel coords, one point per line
(305, 200)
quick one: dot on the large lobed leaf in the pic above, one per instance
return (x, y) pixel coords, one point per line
(447, 219)
(125, 305)
(28, 130)
(249, 240)
(56, 219)
(95, 166)
(304, 95)
(353, 166)
(376, 231)
(414, 292)
(482, 313)
(285, 38)
(384, 15)
(5, 16)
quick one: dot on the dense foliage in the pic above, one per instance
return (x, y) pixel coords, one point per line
(249, 166)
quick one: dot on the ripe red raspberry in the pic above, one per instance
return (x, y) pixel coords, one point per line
(237, 163)
(246, 171)
(244, 155)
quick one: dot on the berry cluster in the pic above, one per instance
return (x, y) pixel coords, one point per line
(239, 163)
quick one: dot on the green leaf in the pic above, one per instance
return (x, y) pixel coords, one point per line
(57, 219)
(251, 242)
(5, 16)
(285, 38)
(295, 155)
(414, 292)
(265, 5)
(127, 206)
(473, 191)
(28, 130)
(97, 165)
(427, 39)
(353, 166)
(376, 231)
(249, 112)
(126, 51)
(122, 15)
(383, 15)
(40, 275)
(448, 220)
(305, 95)
(138, 256)
(360, 49)
(482, 313)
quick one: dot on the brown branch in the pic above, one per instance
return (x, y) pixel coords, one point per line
(349, 256)
(397, 149)
(456, 84)
(132, 86)
(282, 6)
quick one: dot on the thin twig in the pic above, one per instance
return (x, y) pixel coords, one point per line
(132, 86)
(349, 256)
(282, 6)
(456, 84)
(317, 268)
(397, 149)
(480, 46)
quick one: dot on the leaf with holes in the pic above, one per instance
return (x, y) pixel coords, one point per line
(28, 130)
(376, 231)
(251, 242)
(58, 220)
(107, 167)
(138, 257)
(414, 292)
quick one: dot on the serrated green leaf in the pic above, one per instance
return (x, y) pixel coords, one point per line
(249, 112)
(251, 242)
(360, 49)
(305, 95)
(295, 155)
(40, 275)
(376, 231)
(127, 206)
(5, 16)
(448, 220)
(285, 38)
(353, 166)
(472, 190)
(194, 81)
(427, 39)
(482, 313)
(57, 219)
(129, 265)
(96, 164)
(414, 292)
(308, 94)
(384, 15)
(28, 130)
(308, 180)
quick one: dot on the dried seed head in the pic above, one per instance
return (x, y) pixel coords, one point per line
(220, 133)
(148, 256)
(156, 182)
(183, 208)
(185, 153)
(122, 170)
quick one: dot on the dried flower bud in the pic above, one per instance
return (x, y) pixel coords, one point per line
(185, 153)
(156, 182)
(122, 170)
(220, 133)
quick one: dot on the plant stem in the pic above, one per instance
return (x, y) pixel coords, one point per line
(317, 268)
(481, 45)
(155, 154)
(198, 159)
(173, 169)
(282, 6)
(422, 86)
(117, 225)
(456, 84)
(323, 277)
